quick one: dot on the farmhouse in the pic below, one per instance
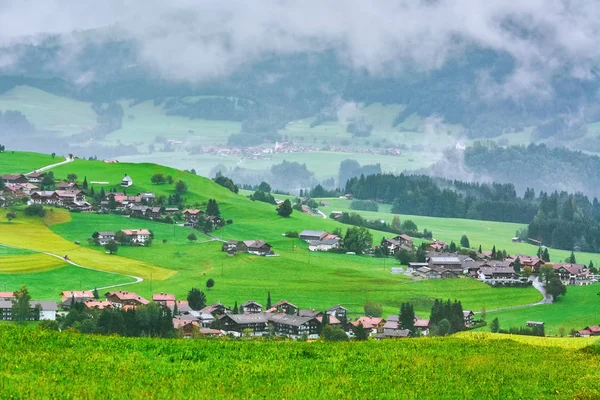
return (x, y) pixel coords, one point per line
(449, 263)
(573, 274)
(257, 247)
(251, 307)
(45, 197)
(256, 323)
(68, 297)
(137, 235)
(98, 305)
(14, 179)
(27, 188)
(216, 309)
(371, 323)
(593, 330)
(105, 237)
(35, 177)
(191, 217)
(312, 235)
(469, 316)
(438, 246)
(188, 327)
(121, 298)
(66, 186)
(46, 309)
(295, 326)
(487, 272)
(68, 197)
(164, 299)
(339, 312)
(283, 306)
(397, 243)
(6, 296)
(323, 244)
(126, 181)
(392, 330)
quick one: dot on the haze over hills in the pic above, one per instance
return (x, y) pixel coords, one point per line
(218, 79)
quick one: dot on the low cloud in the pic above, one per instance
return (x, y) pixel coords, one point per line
(195, 40)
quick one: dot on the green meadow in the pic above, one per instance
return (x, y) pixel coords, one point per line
(36, 363)
(12, 162)
(47, 285)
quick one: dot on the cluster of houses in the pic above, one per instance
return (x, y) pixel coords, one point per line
(136, 236)
(592, 330)
(42, 310)
(192, 218)
(440, 265)
(256, 247)
(320, 240)
(19, 186)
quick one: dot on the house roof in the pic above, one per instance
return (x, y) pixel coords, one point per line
(444, 260)
(292, 320)
(106, 233)
(405, 238)
(180, 323)
(467, 313)
(7, 295)
(309, 313)
(496, 270)
(246, 318)
(251, 302)
(585, 332)
(122, 296)
(193, 212)
(313, 233)
(163, 297)
(213, 307)
(327, 242)
(332, 320)
(255, 243)
(337, 307)
(45, 305)
(421, 323)
(100, 305)
(36, 175)
(12, 177)
(126, 178)
(593, 328)
(81, 294)
(368, 322)
(130, 232)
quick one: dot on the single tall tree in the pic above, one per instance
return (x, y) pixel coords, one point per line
(495, 326)
(406, 319)
(285, 209)
(112, 247)
(11, 215)
(235, 308)
(180, 187)
(72, 177)
(269, 300)
(546, 255)
(571, 259)
(21, 306)
(479, 250)
(210, 283)
(196, 299)
(464, 242)
(212, 208)
(84, 185)
(192, 237)
(517, 266)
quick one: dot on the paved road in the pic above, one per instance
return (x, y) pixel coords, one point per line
(47, 167)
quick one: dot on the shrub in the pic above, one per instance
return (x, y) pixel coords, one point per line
(35, 210)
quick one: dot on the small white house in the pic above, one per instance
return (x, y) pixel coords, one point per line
(47, 309)
(127, 181)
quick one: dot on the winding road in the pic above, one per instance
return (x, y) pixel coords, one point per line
(137, 278)
(546, 299)
(47, 167)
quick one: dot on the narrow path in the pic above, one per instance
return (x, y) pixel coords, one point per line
(47, 167)
(322, 214)
(137, 278)
(539, 287)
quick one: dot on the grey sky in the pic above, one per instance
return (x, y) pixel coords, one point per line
(195, 40)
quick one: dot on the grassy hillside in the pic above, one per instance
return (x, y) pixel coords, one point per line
(484, 233)
(23, 162)
(579, 308)
(33, 365)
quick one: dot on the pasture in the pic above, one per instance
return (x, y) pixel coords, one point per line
(32, 364)
(21, 162)
(32, 233)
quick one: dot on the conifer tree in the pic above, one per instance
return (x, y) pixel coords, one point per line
(85, 183)
(269, 300)
(235, 308)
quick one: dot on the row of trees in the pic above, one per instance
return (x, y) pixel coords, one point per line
(424, 195)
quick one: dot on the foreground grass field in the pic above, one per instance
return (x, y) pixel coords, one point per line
(35, 364)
